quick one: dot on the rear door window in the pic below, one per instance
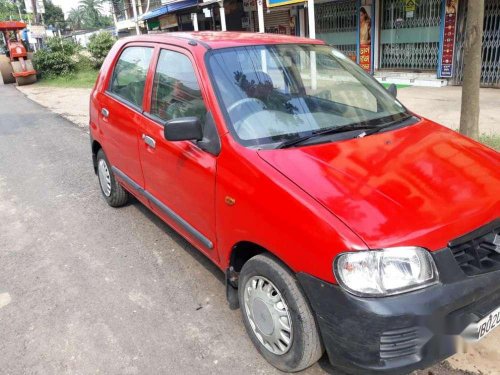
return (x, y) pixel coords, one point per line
(176, 92)
(129, 75)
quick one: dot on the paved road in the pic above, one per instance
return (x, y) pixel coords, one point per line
(91, 289)
(85, 288)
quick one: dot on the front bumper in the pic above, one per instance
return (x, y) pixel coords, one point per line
(399, 334)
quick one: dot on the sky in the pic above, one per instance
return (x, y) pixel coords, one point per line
(67, 5)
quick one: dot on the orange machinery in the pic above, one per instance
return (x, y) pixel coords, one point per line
(15, 66)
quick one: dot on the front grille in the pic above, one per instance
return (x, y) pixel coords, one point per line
(478, 252)
(399, 343)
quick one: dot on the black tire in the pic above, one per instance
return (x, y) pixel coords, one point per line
(306, 346)
(118, 196)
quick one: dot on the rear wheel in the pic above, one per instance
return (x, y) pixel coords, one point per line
(113, 192)
(277, 315)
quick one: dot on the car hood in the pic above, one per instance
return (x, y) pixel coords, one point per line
(421, 185)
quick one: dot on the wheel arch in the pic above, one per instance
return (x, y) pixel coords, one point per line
(242, 252)
(96, 146)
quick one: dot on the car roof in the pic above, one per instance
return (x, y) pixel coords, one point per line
(225, 39)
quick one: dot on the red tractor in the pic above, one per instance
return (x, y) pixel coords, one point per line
(15, 65)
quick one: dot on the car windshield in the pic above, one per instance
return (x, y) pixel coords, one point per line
(276, 93)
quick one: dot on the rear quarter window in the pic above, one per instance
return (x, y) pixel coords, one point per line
(129, 75)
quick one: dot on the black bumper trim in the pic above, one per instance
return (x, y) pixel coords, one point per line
(402, 333)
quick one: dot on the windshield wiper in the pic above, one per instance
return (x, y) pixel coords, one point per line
(318, 133)
(372, 129)
(379, 128)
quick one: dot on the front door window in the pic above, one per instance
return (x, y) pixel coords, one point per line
(176, 92)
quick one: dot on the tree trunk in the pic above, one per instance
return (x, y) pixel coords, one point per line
(36, 18)
(469, 116)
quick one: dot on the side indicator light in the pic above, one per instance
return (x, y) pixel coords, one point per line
(230, 201)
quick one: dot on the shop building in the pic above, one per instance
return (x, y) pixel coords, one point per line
(189, 15)
(417, 42)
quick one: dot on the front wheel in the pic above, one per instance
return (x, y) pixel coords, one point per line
(277, 315)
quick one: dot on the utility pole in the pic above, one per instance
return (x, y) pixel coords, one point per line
(312, 19)
(134, 9)
(469, 116)
(260, 13)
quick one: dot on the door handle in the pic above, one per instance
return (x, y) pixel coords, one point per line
(105, 112)
(149, 141)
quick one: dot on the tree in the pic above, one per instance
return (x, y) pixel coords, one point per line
(99, 46)
(469, 116)
(92, 12)
(53, 14)
(88, 15)
(8, 10)
(76, 18)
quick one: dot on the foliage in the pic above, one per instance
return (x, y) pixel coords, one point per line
(84, 78)
(53, 63)
(99, 46)
(76, 18)
(84, 62)
(65, 45)
(8, 10)
(92, 9)
(88, 16)
(81, 74)
(53, 14)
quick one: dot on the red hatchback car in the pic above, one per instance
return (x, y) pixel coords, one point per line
(343, 221)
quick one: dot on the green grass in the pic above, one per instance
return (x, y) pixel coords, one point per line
(79, 79)
(399, 86)
(491, 140)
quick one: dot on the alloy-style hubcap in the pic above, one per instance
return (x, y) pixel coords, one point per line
(104, 178)
(268, 315)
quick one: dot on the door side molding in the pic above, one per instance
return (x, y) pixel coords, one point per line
(165, 209)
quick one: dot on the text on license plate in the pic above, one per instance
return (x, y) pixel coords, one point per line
(488, 323)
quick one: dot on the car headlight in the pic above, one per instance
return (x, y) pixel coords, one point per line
(385, 272)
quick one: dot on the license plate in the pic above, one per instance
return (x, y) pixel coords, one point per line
(488, 324)
(476, 331)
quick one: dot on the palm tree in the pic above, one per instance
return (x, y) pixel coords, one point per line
(91, 11)
(76, 18)
(88, 15)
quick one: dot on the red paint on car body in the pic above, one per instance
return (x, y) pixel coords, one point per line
(421, 185)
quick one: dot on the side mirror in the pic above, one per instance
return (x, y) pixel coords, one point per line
(183, 129)
(393, 89)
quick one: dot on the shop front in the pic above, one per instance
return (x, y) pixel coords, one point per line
(428, 36)
(168, 22)
(400, 41)
(387, 37)
(279, 20)
(410, 34)
(191, 15)
(279, 16)
(337, 24)
(490, 68)
(349, 26)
